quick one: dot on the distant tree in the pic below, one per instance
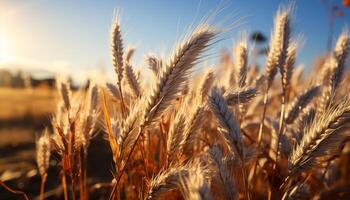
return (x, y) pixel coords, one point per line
(258, 37)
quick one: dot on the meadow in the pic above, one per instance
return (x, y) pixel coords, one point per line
(235, 131)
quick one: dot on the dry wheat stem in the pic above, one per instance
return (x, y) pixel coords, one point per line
(284, 32)
(261, 125)
(17, 192)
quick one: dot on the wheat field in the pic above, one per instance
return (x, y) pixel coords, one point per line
(235, 131)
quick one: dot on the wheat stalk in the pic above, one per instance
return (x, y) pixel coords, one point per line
(276, 57)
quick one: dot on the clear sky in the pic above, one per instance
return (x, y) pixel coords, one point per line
(72, 36)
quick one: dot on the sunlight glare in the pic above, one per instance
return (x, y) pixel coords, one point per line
(5, 49)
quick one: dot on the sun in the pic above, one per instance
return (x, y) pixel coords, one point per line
(6, 48)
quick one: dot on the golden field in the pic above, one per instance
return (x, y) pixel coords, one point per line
(235, 131)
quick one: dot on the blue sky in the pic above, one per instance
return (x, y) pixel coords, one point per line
(73, 36)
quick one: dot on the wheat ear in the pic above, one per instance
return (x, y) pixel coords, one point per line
(195, 186)
(227, 188)
(243, 96)
(118, 59)
(66, 94)
(155, 64)
(299, 103)
(304, 121)
(341, 52)
(132, 80)
(206, 84)
(321, 138)
(90, 118)
(175, 136)
(193, 124)
(113, 90)
(333, 73)
(176, 72)
(228, 125)
(167, 180)
(117, 50)
(43, 152)
(279, 44)
(229, 130)
(129, 52)
(241, 53)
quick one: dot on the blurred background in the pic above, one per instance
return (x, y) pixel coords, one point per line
(43, 39)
